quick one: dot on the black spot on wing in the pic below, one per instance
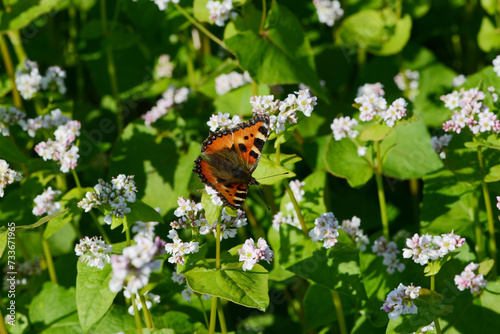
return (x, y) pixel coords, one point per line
(246, 137)
(254, 154)
(263, 130)
(259, 143)
(242, 147)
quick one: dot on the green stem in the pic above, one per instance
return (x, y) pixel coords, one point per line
(48, 260)
(381, 195)
(222, 319)
(478, 231)
(111, 68)
(263, 17)
(202, 28)
(7, 60)
(200, 298)
(77, 180)
(3, 328)
(489, 212)
(361, 58)
(340, 313)
(213, 309)
(100, 228)
(278, 152)
(433, 285)
(15, 38)
(137, 316)
(147, 314)
(296, 207)
(414, 190)
(127, 235)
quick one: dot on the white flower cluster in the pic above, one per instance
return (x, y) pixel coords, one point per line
(469, 280)
(425, 329)
(219, 11)
(301, 100)
(62, 149)
(164, 67)
(29, 81)
(496, 65)
(149, 297)
(328, 11)
(23, 270)
(389, 251)
(469, 110)
(226, 82)
(375, 105)
(187, 292)
(132, 269)
(223, 120)
(440, 143)
(400, 301)
(191, 217)
(459, 80)
(342, 127)
(251, 253)
(326, 228)
(171, 97)
(45, 203)
(9, 116)
(408, 81)
(94, 252)
(145, 229)
(178, 249)
(289, 216)
(113, 196)
(7, 176)
(370, 89)
(47, 121)
(163, 4)
(351, 227)
(425, 248)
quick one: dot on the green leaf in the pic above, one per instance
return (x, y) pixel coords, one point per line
(342, 160)
(68, 324)
(200, 10)
(179, 323)
(488, 37)
(375, 132)
(248, 288)
(429, 306)
(212, 211)
(140, 211)
(268, 172)
(485, 267)
(236, 101)
(336, 268)
(73, 213)
(116, 320)
(193, 258)
(434, 266)
(412, 157)
(3, 240)
(10, 152)
(51, 303)
(489, 6)
(23, 13)
(377, 31)
(93, 297)
(280, 55)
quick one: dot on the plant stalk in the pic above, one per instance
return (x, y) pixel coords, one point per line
(296, 207)
(9, 67)
(137, 316)
(222, 319)
(340, 313)
(381, 195)
(48, 260)
(147, 314)
(213, 309)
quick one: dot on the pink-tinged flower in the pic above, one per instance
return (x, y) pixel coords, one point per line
(45, 203)
(389, 251)
(7, 176)
(94, 252)
(326, 229)
(469, 280)
(251, 253)
(426, 247)
(400, 301)
(498, 202)
(170, 98)
(343, 127)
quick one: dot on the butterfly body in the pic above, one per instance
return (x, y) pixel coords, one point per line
(230, 156)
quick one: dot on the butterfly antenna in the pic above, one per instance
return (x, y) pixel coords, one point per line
(265, 177)
(268, 208)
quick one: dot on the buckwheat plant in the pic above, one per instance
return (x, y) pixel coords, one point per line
(389, 251)
(219, 11)
(325, 228)
(328, 11)
(149, 299)
(226, 82)
(8, 117)
(164, 67)
(251, 253)
(407, 81)
(470, 280)
(425, 248)
(179, 249)
(439, 144)
(46, 203)
(94, 252)
(7, 176)
(289, 216)
(163, 4)
(170, 98)
(352, 227)
(111, 197)
(401, 301)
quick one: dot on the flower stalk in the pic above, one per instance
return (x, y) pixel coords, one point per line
(7, 60)
(381, 195)
(147, 314)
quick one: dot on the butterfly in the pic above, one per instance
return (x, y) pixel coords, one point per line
(229, 158)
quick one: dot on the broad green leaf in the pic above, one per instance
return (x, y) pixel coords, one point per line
(281, 55)
(375, 132)
(140, 211)
(336, 268)
(490, 6)
(73, 212)
(23, 13)
(278, 273)
(116, 320)
(53, 302)
(200, 10)
(237, 101)
(434, 266)
(429, 306)
(68, 324)
(268, 172)
(178, 323)
(485, 267)
(248, 288)
(10, 152)
(488, 37)
(93, 297)
(212, 211)
(412, 157)
(285, 159)
(377, 31)
(342, 160)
